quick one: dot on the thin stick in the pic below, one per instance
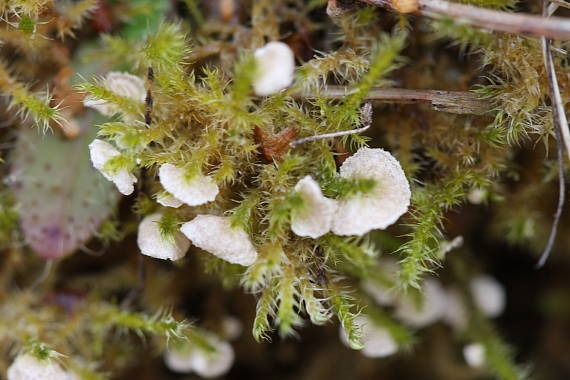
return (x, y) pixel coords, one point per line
(560, 126)
(366, 120)
(459, 102)
(149, 101)
(553, 28)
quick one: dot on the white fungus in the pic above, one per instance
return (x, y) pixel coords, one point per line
(101, 152)
(384, 205)
(122, 84)
(431, 308)
(316, 216)
(377, 341)
(476, 196)
(168, 200)
(488, 295)
(455, 313)
(383, 294)
(194, 192)
(275, 68)
(153, 244)
(231, 327)
(27, 367)
(474, 355)
(203, 363)
(216, 235)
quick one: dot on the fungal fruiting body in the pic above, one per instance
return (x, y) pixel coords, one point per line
(195, 191)
(381, 292)
(474, 355)
(431, 308)
(168, 200)
(216, 235)
(152, 243)
(275, 63)
(316, 216)
(204, 363)
(27, 367)
(488, 295)
(122, 84)
(455, 312)
(101, 152)
(377, 342)
(382, 207)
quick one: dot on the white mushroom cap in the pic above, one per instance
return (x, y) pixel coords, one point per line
(315, 219)
(474, 355)
(123, 84)
(101, 152)
(168, 200)
(275, 68)
(431, 309)
(387, 202)
(455, 313)
(488, 295)
(377, 341)
(27, 367)
(153, 244)
(205, 364)
(216, 235)
(199, 190)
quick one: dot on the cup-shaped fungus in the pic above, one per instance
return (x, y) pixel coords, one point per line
(216, 235)
(430, 309)
(27, 367)
(101, 152)
(204, 363)
(377, 342)
(153, 243)
(194, 191)
(488, 295)
(381, 207)
(275, 68)
(315, 217)
(122, 84)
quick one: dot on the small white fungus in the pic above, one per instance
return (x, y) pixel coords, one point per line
(455, 312)
(315, 219)
(231, 327)
(383, 294)
(488, 295)
(430, 310)
(387, 202)
(477, 196)
(197, 191)
(474, 355)
(101, 152)
(168, 200)
(377, 341)
(204, 364)
(275, 68)
(153, 244)
(123, 84)
(27, 367)
(216, 235)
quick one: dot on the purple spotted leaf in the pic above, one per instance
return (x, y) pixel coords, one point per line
(62, 199)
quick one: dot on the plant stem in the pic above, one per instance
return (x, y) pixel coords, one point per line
(460, 102)
(499, 21)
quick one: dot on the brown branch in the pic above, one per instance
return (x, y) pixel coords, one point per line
(460, 102)
(553, 28)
